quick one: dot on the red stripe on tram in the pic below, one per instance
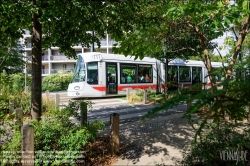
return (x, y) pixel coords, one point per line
(99, 88)
(122, 88)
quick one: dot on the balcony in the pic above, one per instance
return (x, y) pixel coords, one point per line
(60, 58)
(44, 58)
(54, 71)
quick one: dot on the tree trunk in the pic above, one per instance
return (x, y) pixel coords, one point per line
(166, 78)
(36, 96)
(241, 38)
(202, 40)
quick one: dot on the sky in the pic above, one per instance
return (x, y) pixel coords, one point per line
(220, 42)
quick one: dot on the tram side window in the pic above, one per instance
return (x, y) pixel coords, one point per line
(185, 75)
(172, 73)
(145, 74)
(196, 75)
(92, 73)
(127, 73)
(218, 74)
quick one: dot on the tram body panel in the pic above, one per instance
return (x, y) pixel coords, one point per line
(87, 91)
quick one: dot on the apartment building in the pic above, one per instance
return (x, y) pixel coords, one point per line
(54, 61)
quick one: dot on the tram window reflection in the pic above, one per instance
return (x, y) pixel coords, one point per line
(127, 73)
(185, 75)
(145, 74)
(79, 73)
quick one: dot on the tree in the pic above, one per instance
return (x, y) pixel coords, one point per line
(144, 32)
(11, 58)
(52, 23)
(214, 58)
(233, 99)
(152, 33)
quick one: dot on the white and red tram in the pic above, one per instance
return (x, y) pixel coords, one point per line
(99, 74)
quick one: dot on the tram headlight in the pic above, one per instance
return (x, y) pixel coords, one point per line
(76, 87)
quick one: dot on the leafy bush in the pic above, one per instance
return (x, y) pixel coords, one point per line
(57, 82)
(57, 133)
(48, 103)
(209, 149)
(18, 82)
(14, 146)
(57, 139)
(152, 97)
(12, 91)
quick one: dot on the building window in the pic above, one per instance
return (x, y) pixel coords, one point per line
(64, 66)
(145, 74)
(185, 75)
(43, 69)
(92, 73)
(128, 72)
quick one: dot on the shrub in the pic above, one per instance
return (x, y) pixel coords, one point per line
(14, 146)
(152, 97)
(57, 139)
(18, 82)
(209, 149)
(12, 91)
(48, 103)
(57, 82)
(58, 134)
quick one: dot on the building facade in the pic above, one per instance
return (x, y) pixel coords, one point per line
(54, 61)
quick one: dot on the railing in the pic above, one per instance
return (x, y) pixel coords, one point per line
(104, 42)
(60, 58)
(54, 71)
(44, 58)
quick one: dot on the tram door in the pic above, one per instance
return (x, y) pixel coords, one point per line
(111, 81)
(197, 74)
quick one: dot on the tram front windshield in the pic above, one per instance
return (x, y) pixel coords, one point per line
(80, 72)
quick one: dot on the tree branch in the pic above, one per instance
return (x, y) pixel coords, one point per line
(240, 39)
(188, 48)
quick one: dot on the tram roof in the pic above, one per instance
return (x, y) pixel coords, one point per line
(181, 62)
(97, 56)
